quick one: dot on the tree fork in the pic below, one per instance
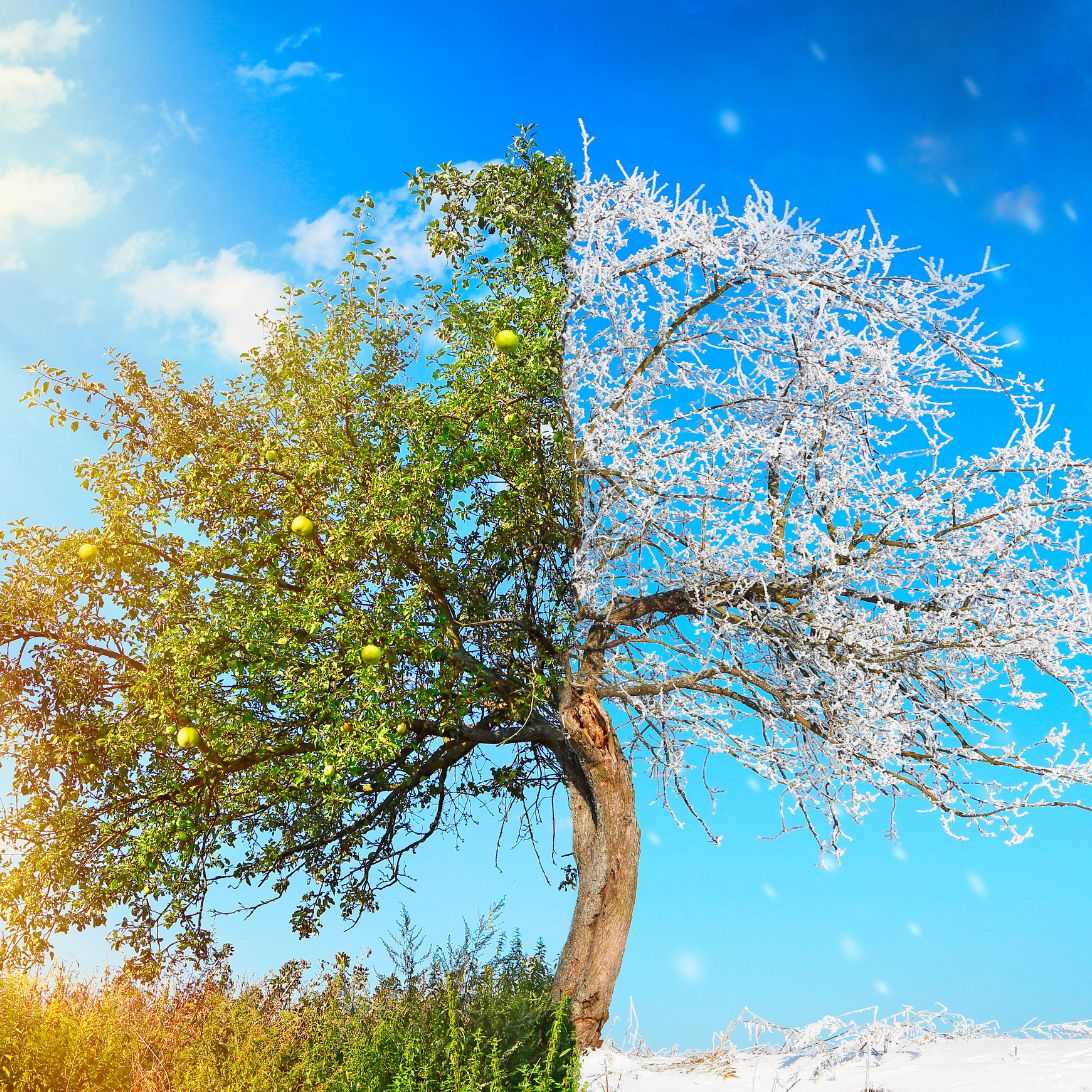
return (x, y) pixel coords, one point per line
(606, 846)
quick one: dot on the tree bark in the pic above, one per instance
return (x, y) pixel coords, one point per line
(606, 845)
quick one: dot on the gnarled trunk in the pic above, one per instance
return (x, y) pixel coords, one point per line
(606, 845)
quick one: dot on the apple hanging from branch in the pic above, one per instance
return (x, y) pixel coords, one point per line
(88, 552)
(371, 654)
(187, 736)
(506, 340)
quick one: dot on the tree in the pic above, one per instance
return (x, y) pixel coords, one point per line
(730, 515)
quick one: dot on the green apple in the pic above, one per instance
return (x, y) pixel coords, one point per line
(400, 728)
(328, 770)
(509, 418)
(506, 340)
(371, 654)
(187, 736)
(303, 526)
(88, 551)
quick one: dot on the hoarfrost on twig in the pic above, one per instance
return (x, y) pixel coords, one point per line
(791, 567)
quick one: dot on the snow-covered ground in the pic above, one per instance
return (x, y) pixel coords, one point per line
(910, 1052)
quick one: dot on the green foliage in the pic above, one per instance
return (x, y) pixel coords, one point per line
(315, 765)
(467, 1028)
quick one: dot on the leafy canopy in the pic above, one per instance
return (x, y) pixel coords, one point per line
(443, 526)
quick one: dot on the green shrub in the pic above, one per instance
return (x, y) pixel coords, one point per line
(456, 1024)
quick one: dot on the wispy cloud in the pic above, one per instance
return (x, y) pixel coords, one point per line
(93, 145)
(178, 123)
(37, 38)
(1020, 207)
(280, 80)
(27, 95)
(169, 125)
(972, 88)
(138, 252)
(1069, 210)
(294, 41)
(977, 884)
(11, 262)
(875, 163)
(817, 51)
(216, 299)
(43, 197)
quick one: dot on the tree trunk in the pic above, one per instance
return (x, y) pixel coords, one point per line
(606, 845)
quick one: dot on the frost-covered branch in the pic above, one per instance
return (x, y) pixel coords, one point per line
(782, 557)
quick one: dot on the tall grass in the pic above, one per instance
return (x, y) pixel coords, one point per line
(455, 1025)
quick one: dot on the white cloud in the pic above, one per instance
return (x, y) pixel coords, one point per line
(282, 79)
(768, 891)
(971, 87)
(850, 948)
(26, 95)
(654, 838)
(136, 253)
(730, 121)
(689, 967)
(11, 262)
(949, 185)
(875, 163)
(35, 38)
(318, 245)
(178, 123)
(817, 51)
(1069, 210)
(217, 299)
(294, 41)
(44, 197)
(90, 145)
(914, 928)
(1012, 333)
(881, 987)
(899, 853)
(1020, 206)
(977, 884)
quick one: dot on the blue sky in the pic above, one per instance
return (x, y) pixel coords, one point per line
(164, 168)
